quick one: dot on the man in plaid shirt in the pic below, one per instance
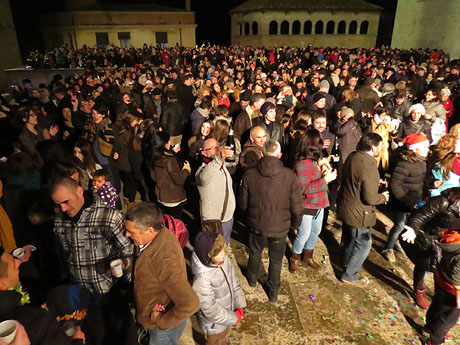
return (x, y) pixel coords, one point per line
(90, 235)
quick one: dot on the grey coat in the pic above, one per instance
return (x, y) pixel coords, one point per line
(220, 295)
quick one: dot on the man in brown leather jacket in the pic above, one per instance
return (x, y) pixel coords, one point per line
(164, 298)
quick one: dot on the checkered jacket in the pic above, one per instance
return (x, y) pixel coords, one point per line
(312, 184)
(89, 245)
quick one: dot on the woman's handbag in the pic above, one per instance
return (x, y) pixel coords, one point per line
(215, 225)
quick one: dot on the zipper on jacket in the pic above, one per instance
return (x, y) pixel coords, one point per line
(230, 288)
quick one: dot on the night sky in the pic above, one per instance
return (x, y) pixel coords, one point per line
(212, 17)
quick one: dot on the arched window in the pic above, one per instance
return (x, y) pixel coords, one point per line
(284, 27)
(296, 28)
(342, 27)
(364, 28)
(307, 27)
(246, 29)
(330, 27)
(353, 27)
(319, 27)
(273, 28)
(240, 27)
(255, 28)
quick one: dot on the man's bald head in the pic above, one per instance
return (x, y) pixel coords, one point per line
(258, 136)
(210, 148)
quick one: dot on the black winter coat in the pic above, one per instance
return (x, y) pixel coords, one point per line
(410, 127)
(406, 184)
(41, 326)
(271, 197)
(438, 214)
(173, 118)
(277, 129)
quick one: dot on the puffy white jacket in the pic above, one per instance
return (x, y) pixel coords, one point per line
(220, 295)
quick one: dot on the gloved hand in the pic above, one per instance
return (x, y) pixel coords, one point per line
(409, 235)
(240, 313)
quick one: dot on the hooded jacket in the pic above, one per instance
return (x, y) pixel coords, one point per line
(198, 116)
(219, 293)
(169, 178)
(270, 195)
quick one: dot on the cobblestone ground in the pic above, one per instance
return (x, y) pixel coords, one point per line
(314, 307)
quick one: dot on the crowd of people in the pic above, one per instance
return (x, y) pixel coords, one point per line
(103, 172)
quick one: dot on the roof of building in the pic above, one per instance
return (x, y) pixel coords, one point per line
(127, 8)
(306, 5)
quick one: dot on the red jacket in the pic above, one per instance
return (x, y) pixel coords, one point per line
(312, 184)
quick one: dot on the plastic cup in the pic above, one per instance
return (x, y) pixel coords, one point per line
(8, 331)
(18, 253)
(117, 267)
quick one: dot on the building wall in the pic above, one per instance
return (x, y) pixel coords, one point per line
(78, 28)
(428, 23)
(10, 55)
(263, 38)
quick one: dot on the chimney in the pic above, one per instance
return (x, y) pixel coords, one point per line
(188, 7)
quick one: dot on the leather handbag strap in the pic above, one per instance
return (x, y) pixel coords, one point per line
(226, 194)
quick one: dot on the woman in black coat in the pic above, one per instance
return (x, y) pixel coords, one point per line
(424, 226)
(406, 186)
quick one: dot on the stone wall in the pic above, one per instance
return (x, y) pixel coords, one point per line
(428, 23)
(79, 28)
(241, 22)
(10, 55)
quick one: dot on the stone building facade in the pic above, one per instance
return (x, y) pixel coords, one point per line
(124, 25)
(298, 23)
(10, 56)
(428, 24)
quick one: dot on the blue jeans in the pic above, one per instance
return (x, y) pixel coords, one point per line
(167, 336)
(227, 228)
(308, 232)
(355, 245)
(399, 220)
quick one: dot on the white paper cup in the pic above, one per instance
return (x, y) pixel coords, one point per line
(117, 267)
(18, 253)
(8, 330)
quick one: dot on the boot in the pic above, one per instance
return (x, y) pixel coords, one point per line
(294, 262)
(308, 258)
(130, 205)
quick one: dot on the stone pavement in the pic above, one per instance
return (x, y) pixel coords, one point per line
(314, 307)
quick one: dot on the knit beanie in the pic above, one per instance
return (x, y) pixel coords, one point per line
(418, 106)
(318, 96)
(414, 141)
(266, 107)
(208, 245)
(346, 111)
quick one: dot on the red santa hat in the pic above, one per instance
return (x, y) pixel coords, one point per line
(416, 140)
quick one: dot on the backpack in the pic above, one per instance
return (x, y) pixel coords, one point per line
(177, 227)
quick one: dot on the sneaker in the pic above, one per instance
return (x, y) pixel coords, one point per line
(361, 283)
(389, 255)
(420, 299)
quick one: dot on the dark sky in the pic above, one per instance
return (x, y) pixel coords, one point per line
(212, 18)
